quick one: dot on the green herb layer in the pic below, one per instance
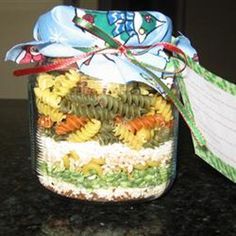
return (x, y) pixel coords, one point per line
(149, 177)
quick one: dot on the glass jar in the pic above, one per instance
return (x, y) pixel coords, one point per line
(102, 142)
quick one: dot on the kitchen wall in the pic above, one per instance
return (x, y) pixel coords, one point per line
(17, 18)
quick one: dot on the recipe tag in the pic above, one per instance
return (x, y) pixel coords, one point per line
(211, 101)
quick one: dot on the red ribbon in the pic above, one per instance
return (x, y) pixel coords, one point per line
(63, 63)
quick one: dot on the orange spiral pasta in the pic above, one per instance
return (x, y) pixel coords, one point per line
(45, 122)
(148, 122)
(71, 123)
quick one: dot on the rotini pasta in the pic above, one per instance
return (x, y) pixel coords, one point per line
(70, 124)
(109, 102)
(88, 111)
(129, 113)
(51, 133)
(135, 141)
(64, 83)
(93, 84)
(53, 113)
(103, 106)
(45, 81)
(148, 122)
(115, 90)
(47, 97)
(105, 134)
(76, 96)
(136, 99)
(161, 106)
(118, 107)
(84, 89)
(152, 144)
(106, 138)
(74, 75)
(85, 133)
(144, 89)
(160, 136)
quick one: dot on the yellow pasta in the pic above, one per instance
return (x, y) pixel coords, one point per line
(92, 83)
(132, 140)
(161, 106)
(64, 83)
(92, 166)
(47, 97)
(98, 161)
(45, 81)
(86, 133)
(115, 89)
(153, 163)
(53, 113)
(66, 160)
(144, 89)
(74, 75)
(147, 164)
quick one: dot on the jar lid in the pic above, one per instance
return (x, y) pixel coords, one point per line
(56, 35)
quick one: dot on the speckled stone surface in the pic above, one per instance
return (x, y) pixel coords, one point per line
(201, 201)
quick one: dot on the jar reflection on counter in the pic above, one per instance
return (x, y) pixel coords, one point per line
(101, 142)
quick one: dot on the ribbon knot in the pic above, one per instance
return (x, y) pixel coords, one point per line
(122, 49)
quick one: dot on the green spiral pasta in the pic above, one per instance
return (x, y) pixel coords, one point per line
(155, 141)
(76, 96)
(118, 107)
(160, 136)
(107, 108)
(109, 103)
(51, 133)
(165, 134)
(152, 144)
(107, 126)
(106, 138)
(86, 133)
(130, 111)
(91, 112)
(65, 106)
(136, 99)
(105, 135)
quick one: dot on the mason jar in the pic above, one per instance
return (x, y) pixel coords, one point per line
(102, 142)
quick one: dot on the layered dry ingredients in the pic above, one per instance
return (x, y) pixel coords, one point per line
(102, 142)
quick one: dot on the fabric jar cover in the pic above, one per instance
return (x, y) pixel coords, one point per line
(56, 35)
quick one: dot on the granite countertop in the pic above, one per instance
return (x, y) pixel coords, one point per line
(201, 201)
